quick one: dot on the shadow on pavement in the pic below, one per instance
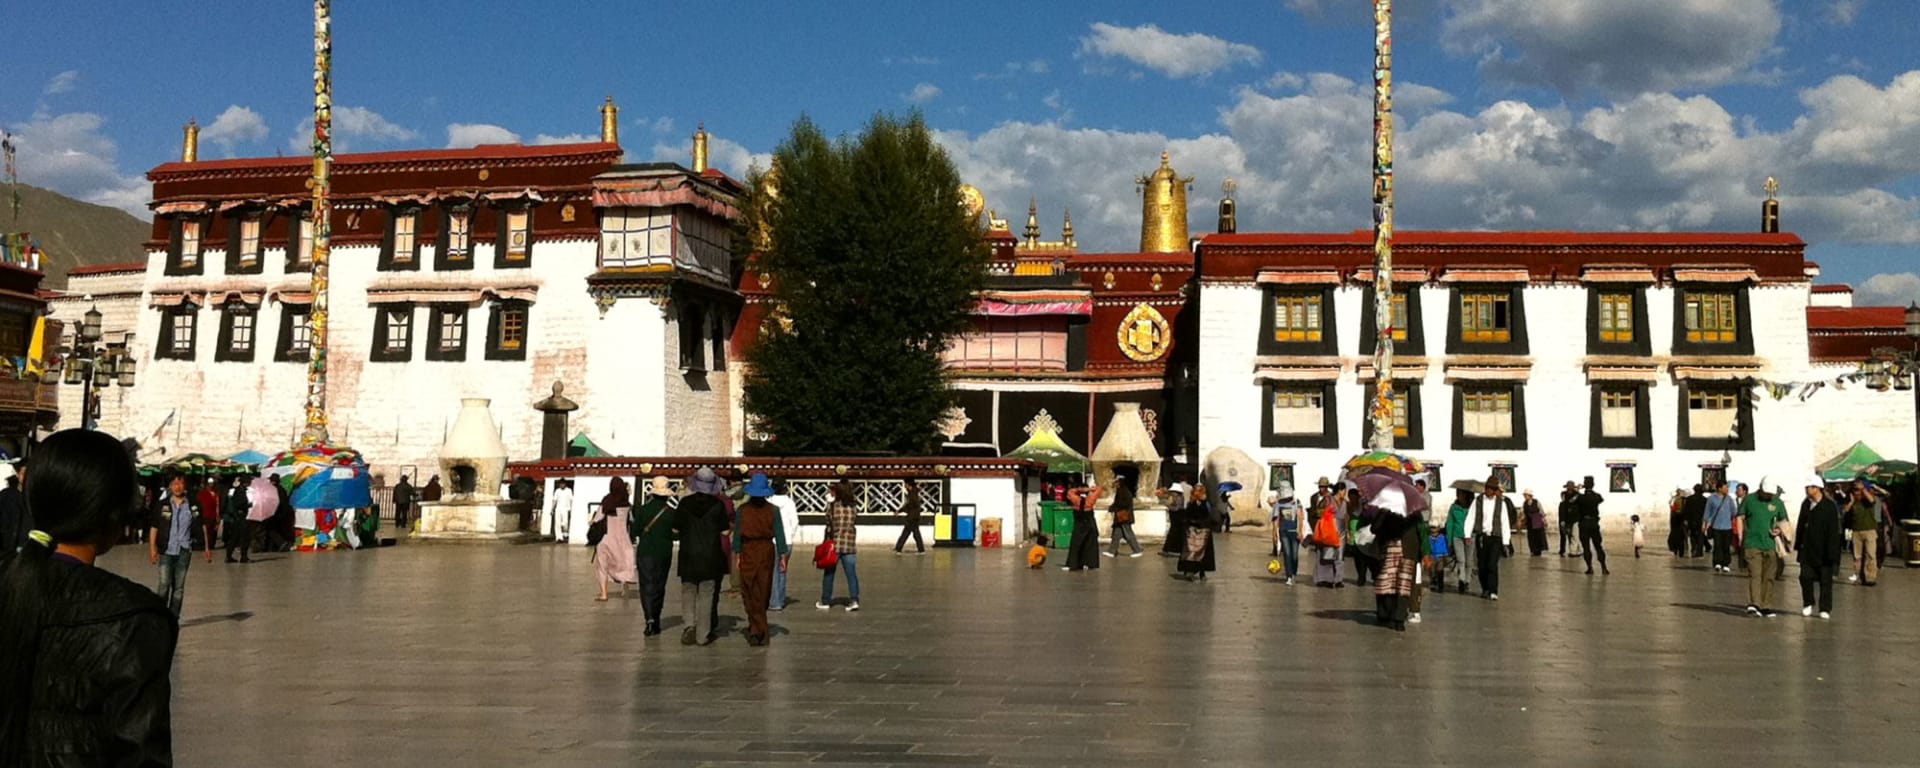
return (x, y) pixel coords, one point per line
(1729, 609)
(199, 620)
(1347, 614)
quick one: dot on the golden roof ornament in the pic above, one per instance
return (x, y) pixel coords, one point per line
(1770, 209)
(1229, 217)
(190, 151)
(1163, 209)
(609, 122)
(1066, 229)
(1772, 188)
(972, 201)
(1033, 222)
(700, 149)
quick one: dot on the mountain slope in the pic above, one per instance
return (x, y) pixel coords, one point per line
(73, 233)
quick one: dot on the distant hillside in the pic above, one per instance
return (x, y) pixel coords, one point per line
(74, 233)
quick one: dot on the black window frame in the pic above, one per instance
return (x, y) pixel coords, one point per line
(436, 350)
(1416, 342)
(1516, 343)
(1329, 436)
(1329, 342)
(443, 261)
(176, 246)
(1742, 343)
(496, 317)
(390, 260)
(505, 236)
(170, 328)
(1642, 417)
(382, 333)
(1517, 441)
(692, 327)
(1743, 414)
(1416, 437)
(224, 350)
(292, 316)
(296, 217)
(1642, 343)
(235, 236)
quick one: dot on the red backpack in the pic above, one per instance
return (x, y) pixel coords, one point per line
(826, 555)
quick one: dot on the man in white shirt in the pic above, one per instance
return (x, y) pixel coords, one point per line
(560, 511)
(790, 523)
(1488, 523)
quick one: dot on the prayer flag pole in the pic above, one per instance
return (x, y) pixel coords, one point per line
(1383, 416)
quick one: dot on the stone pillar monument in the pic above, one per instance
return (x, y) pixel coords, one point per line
(473, 460)
(553, 427)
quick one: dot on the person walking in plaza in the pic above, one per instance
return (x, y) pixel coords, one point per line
(402, 504)
(234, 533)
(1639, 532)
(178, 530)
(432, 490)
(699, 523)
(613, 554)
(1590, 546)
(1197, 553)
(1569, 515)
(1866, 514)
(911, 505)
(651, 530)
(1083, 549)
(1820, 538)
(1329, 540)
(790, 523)
(1401, 549)
(559, 511)
(263, 500)
(1489, 526)
(1536, 521)
(1677, 523)
(1177, 496)
(759, 542)
(1719, 527)
(843, 526)
(1693, 514)
(1759, 515)
(1459, 547)
(85, 654)
(1288, 522)
(1122, 510)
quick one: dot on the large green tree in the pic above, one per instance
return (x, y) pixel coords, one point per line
(875, 264)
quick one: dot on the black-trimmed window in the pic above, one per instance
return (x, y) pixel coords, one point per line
(1617, 321)
(514, 247)
(184, 250)
(1299, 414)
(1712, 321)
(1487, 320)
(244, 247)
(1715, 416)
(1621, 417)
(1489, 415)
(400, 250)
(446, 332)
(693, 341)
(1298, 321)
(295, 344)
(1407, 431)
(300, 240)
(1409, 331)
(179, 330)
(239, 323)
(717, 340)
(392, 333)
(507, 330)
(455, 247)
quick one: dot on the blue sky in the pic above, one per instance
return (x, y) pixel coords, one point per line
(1513, 114)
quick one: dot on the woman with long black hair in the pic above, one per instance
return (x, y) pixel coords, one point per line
(84, 653)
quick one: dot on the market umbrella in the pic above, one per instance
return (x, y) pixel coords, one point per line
(582, 446)
(1890, 470)
(339, 487)
(249, 457)
(1046, 447)
(1378, 479)
(1474, 486)
(1849, 465)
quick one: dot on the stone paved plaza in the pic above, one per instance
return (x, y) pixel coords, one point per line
(444, 655)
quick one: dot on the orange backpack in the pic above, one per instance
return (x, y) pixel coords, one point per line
(1326, 530)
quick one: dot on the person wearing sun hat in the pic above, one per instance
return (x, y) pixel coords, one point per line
(651, 528)
(1819, 537)
(758, 541)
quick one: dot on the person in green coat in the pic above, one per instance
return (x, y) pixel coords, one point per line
(651, 529)
(1458, 553)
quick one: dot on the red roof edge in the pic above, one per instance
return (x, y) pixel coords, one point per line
(107, 269)
(1833, 289)
(1847, 318)
(1475, 237)
(481, 152)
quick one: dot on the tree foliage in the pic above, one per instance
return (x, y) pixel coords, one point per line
(875, 265)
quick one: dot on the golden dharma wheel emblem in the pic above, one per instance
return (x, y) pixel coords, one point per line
(765, 280)
(972, 201)
(1107, 280)
(1144, 334)
(1156, 281)
(484, 173)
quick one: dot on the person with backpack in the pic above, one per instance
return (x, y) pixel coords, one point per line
(1491, 527)
(1122, 509)
(1288, 524)
(85, 654)
(651, 530)
(1328, 540)
(843, 529)
(612, 550)
(699, 523)
(1459, 550)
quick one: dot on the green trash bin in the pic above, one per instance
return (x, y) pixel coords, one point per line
(1056, 521)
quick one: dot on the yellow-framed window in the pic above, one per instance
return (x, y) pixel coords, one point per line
(1711, 317)
(1616, 317)
(1486, 317)
(1296, 317)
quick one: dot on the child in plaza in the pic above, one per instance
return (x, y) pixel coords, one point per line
(1639, 536)
(1037, 554)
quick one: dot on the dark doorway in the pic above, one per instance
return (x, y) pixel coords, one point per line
(1128, 474)
(464, 478)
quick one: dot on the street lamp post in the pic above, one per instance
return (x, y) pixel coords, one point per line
(94, 366)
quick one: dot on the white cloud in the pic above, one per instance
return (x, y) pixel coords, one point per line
(1888, 289)
(730, 156)
(1619, 47)
(237, 125)
(463, 135)
(69, 154)
(917, 61)
(1841, 13)
(351, 125)
(61, 83)
(571, 138)
(1189, 55)
(1014, 69)
(923, 93)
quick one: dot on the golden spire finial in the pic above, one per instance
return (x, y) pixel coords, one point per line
(1770, 208)
(1033, 221)
(609, 122)
(190, 151)
(1227, 187)
(1772, 188)
(700, 149)
(1229, 219)
(1066, 228)
(1165, 159)
(1163, 209)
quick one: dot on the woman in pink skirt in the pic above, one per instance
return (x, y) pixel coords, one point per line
(614, 553)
